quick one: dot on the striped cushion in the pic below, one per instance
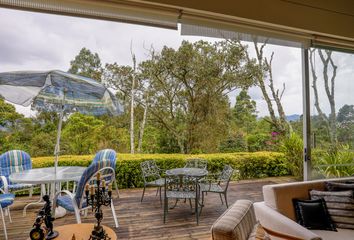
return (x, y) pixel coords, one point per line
(66, 202)
(14, 161)
(6, 199)
(236, 223)
(340, 206)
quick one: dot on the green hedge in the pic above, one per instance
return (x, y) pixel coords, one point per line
(251, 165)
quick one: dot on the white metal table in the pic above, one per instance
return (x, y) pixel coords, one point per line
(43, 176)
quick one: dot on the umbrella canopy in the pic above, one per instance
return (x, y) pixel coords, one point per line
(46, 91)
(60, 92)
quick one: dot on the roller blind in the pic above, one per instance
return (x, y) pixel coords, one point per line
(245, 31)
(108, 10)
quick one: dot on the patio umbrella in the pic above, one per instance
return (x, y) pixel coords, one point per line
(58, 91)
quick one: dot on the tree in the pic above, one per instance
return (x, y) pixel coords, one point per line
(87, 64)
(189, 88)
(244, 112)
(346, 114)
(329, 87)
(8, 114)
(80, 131)
(265, 82)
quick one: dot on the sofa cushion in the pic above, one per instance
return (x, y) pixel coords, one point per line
(258, 233)
(236, 223)
(340, 206)
(313, 214)
(335, 186)
(279, 196)
(342, 234)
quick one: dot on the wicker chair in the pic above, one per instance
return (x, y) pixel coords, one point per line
(151, 177)
(76, 202)
(218, 184)
(11, 162)
(5, 201)
(181, 187)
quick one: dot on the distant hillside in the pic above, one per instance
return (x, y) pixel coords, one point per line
(293, 117)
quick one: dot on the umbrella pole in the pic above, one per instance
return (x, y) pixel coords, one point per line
(57, 146)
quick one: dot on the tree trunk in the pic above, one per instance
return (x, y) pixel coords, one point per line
(142, 127)
(132, 98)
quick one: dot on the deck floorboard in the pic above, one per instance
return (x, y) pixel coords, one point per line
(144, 220)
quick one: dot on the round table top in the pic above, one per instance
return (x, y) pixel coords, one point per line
(47, 175)
(192, 172)
(82, 231)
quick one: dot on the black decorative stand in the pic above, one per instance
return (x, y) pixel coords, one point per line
(97, 195)
(44, 233)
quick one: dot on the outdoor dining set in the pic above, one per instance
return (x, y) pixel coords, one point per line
(190, 183)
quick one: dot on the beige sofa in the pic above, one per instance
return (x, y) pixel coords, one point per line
(277, 212)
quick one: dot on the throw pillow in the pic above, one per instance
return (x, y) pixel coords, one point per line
(340, 206)
(338, 186)
(313, 214)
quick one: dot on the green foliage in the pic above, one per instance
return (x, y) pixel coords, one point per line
(80, 132)
(244, 112)
(251, 165)
(87, 64)
(292, 147)
(258, 142)
(339, 163)
(235, 143)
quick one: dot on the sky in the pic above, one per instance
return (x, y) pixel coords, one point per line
(37, 41)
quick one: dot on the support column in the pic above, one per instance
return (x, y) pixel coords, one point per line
(306, 114)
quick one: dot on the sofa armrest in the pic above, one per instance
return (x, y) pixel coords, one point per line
(275, 221)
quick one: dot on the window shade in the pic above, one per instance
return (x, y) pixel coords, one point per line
(113, 11)
(245, 31)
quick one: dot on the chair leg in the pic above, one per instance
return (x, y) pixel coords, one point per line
(225, 196)
(142, 197)
(8, 210)
(222, 202)
(190, 203)
(157, 191)
(165, 209)
(31, 191)
(114, 214)
(3, 222)
(160, 196)
(116, 187)
(77, 215)
(196, 210)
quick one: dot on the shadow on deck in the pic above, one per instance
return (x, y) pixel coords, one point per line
(145, 220)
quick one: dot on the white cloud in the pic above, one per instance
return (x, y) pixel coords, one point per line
(35, 41)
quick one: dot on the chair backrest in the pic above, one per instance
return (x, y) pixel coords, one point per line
(109, 154)
(225, 175)
(181, 186)
(14, 161)
(196, 163)
(150, 169)
(89, 174)
(106, 154)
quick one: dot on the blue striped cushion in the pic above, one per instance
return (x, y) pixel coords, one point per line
(14, 161)
(65, 202)
(6, 199)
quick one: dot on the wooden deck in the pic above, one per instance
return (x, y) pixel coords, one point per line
(145, 220)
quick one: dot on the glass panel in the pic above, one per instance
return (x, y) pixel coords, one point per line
(332, 113)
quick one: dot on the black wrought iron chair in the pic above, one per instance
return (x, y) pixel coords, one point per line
(151, 177)
(181, 187)
(217, 183)
(196, 163)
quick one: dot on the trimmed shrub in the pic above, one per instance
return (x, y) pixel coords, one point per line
(251, 165)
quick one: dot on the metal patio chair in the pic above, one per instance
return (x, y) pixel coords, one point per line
(76, 202)
(151, 177)
(181, 187)
(196, 163)
(217, 184)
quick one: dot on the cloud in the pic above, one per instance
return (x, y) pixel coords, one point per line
(36, 41)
